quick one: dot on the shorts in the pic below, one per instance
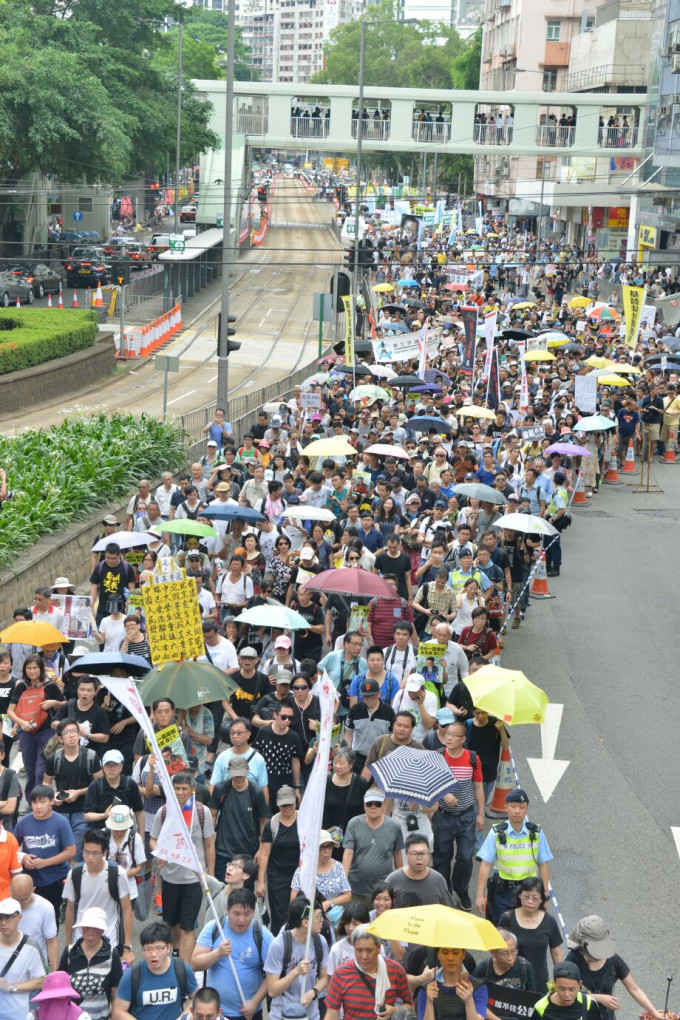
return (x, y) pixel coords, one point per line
(181, 904)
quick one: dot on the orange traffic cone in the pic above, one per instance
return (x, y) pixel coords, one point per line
(504, 783)
(75, 299)
(539, 585)
(669, 452)
(18, 302)
(629, 463)
(49, 301)
(98, 299)
(612, 475)
(579, 492)
(60, 302)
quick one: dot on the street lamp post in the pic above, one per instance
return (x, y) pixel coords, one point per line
(223, 338)
(179, 125)
(360, 131)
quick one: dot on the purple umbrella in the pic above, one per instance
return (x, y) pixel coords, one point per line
(568, 450)
(427, 388)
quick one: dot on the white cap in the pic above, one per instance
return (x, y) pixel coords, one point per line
(415, 682)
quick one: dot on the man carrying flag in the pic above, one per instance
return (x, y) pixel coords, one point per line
(182, 892)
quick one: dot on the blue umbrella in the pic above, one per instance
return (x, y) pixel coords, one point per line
(671, 342)
(101, 664)
(407, 283)
(232, 512)
(395, 327)
(425, 422)
(409, 774)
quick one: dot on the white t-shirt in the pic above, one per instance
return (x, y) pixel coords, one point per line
(27, 966)
(403, 702)
(38, 922)
(223, 655)
(457, 667)
(113, 631)
(234, 593)
(53, 616)
(94, 892)
(206, 602)
(123, 858)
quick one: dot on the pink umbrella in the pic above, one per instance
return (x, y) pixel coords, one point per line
(385, 450)
(351, 581)
(568, 450)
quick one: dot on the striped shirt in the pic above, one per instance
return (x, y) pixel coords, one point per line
(350, 990)
(466, 777)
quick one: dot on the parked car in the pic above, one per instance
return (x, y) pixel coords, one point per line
(87, 266)
(13, 287)
(187, 213)
(42, 278)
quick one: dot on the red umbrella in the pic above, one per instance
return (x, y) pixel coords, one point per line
(351, 581)
(456, 286)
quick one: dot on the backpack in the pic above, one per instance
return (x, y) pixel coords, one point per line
(180, 976)
(288, 952)
(29, 707)
(87, 762)
(251, 793)
(257, 936)
(200, 811)
(112, 880)
(7, 777)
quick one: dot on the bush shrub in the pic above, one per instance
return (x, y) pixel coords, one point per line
(31, 336)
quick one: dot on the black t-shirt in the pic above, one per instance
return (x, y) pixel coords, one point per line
(573, 1012)
(278, 751)
(266, 705)
(238, 819)
(116, 713)
(52, 693)
(533, 944)
(343, 802)
(308, 644)
(95, 717)
(251, 689)
(512, 551)
(300, 724)
(177, 498)
(6, 695)
(485, 741)
(99, 795)
(112, 581)
(399, 565)
(460, 696)
(285, 852)
(602, 981)
(72, 775)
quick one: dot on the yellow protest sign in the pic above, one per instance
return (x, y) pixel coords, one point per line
(633, 303)
(349, 345)
(173, 615)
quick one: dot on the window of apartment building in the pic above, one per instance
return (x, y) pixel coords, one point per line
(550, 79)
(553, 30)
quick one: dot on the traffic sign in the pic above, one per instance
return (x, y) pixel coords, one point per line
(177, 242)
(77, 216)
(219, 220)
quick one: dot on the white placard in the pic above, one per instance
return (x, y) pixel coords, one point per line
(585, 392)
(310, 400)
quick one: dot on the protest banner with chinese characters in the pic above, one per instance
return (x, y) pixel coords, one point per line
(434, 670)
(170, 740)
(173, 615)
(633, 303)
(358, 620)
(511, 1003)
(310, 401)
(404, 348)
(348, 305)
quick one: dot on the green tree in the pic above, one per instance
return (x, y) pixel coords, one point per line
(83, 99)
(466, 65)
(204, 46)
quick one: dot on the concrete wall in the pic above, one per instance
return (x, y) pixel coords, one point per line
(59, 378)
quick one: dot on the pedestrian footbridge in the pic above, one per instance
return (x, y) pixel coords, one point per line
(325, 118)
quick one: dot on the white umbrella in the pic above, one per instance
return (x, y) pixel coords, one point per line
(383, 372)
(125, 539)
(386, 450)
(308, 513)
(595, 423)
(528, 523)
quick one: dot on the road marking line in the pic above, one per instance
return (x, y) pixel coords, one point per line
(212, 378)
(174, 401)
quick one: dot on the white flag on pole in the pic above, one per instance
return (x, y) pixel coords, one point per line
(310, 813)
(422, 347)
(490, 334)
(174, 841)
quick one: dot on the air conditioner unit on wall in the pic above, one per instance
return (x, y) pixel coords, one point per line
(675, 63)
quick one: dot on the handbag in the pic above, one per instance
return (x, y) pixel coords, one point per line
(142, 904)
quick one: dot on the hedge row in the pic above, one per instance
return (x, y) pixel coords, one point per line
(31, 336)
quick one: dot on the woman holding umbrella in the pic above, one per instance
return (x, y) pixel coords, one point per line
(452, 993)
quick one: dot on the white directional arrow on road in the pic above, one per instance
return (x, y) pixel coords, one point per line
(547, 771)
(676, 836)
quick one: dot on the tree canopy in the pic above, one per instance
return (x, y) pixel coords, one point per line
(204, 47)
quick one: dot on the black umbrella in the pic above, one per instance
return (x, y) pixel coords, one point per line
(407, 380)
(352, 369)
(671, 342)
(672, 360)
(573, 348)
(393, 308)
(360, 347)
(415, 304)
(516, 334)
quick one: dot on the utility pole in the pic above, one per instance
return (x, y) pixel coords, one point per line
(223, 338)
(360, 131)
(179, 125)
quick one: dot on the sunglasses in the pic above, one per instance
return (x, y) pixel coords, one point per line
(286, 718)
(301, 687)
(373, 803)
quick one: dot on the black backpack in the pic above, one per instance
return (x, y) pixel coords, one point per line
(288, 952)
(7, 777)
(180, 975)
(87, 764)
(112, 879)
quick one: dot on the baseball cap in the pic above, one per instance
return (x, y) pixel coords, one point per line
(110, 519)
(286, 795)
(566, 970)
(211, 442)
(327, 837)
(9, 907)
(445, 716)
(370, 687)
(374, 794)
(238, 766)
(517, 796)
(440, 503)
(415, 682)
(113, 757)
(293, 499)
(193, 555)
(282, 641)
(276, 420)
(307, 553)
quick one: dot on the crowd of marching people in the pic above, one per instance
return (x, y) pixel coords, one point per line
(441, 486)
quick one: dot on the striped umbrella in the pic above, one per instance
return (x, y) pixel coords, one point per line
(409, 774)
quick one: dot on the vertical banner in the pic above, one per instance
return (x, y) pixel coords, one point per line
(524, 382)
(310, 813)
(494, 385)
(633, 303)
(490, 334)
(422, 347)
(349, 328)
(468, 316)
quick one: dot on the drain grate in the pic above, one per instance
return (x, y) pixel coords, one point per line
(669, 515)
(591, 513)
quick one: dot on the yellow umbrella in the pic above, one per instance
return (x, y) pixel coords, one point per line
(525, 304)
(508, 694)
(383, 288)
(625, 369)
(474, 411)
(612, 380)
(557, 339)
(539, 356)
(336, 446)
(579, 302)
(32, 632)
(438, 926)
(595, 361)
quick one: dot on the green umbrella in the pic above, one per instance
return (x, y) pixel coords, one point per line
(273, 616)
(186, 527)
(188, 683)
